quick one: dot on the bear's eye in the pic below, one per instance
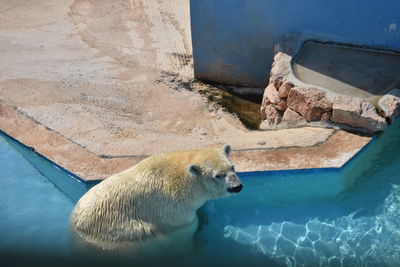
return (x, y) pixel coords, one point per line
(219, 176)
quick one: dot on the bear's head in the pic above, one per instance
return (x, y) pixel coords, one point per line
(216, 173)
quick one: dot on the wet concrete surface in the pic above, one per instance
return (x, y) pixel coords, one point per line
(352, 71)
(82, 83)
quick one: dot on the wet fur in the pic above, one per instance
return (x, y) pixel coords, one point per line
(151, 204)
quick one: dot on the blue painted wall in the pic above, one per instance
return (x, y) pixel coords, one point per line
(234, 41)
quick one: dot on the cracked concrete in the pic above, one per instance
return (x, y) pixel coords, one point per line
(80, 82)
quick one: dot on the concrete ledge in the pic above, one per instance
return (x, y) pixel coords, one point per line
(335, 152)
(59, 149)
(331, 152)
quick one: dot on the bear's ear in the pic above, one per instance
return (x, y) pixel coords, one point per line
(227, 150)
(194, 170)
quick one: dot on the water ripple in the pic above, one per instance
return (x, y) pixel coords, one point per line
(365, 240)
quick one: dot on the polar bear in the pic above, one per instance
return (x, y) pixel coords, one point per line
(154, 201)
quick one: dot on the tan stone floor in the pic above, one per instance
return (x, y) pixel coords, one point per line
(82, 82)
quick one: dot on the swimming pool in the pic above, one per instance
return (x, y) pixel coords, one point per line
(288, 220)
(32, 209)
(306, 217)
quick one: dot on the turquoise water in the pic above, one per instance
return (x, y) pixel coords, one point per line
(280, 219)
(326, 217)
(33, 211)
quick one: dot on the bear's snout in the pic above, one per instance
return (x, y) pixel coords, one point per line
(235, 189)
(234, 185)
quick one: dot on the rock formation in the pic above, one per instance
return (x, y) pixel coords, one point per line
(288, 102)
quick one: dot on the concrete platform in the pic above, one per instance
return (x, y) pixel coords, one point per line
(96, 86)
(364, 73)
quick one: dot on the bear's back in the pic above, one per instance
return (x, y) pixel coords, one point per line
(157, 195)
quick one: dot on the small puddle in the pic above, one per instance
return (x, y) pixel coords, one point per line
(241, 101)
(242, 104)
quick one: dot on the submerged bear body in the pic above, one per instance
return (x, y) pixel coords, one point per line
(155, 201)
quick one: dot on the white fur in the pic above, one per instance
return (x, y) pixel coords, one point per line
(152, 206)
